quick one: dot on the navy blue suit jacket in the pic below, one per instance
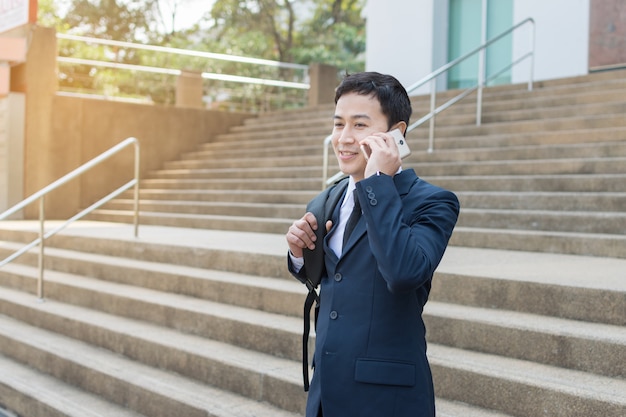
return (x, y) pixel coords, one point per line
(370, 349)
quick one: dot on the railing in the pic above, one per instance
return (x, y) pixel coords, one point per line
(40, 195)
(432, 78)
(237, 79)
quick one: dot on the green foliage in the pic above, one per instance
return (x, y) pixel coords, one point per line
(296, 31)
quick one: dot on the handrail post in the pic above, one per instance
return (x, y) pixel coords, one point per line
(431, 122)
(481, 64)
(136, 190)
(532, 57)
(42, 218)
(40, 196)
(325, 161)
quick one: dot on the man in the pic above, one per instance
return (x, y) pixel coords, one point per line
(370, 351)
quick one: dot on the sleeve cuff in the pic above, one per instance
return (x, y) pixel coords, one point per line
(296, 263)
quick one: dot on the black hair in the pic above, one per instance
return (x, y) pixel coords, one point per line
(392, 96)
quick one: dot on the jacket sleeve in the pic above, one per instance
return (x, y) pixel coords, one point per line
(313, 267)
(407, 235)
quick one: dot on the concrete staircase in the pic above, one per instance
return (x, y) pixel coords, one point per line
(546, 170)
(198, 316)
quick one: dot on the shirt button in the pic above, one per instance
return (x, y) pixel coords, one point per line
(338, 277)
(333, 315)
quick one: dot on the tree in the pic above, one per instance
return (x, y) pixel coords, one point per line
(295, 31)
(111, 19)
(304, 31)
(335, 35)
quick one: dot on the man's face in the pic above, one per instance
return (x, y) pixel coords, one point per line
(356, 117)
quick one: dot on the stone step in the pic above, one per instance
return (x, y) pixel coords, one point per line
(316, 138)
(495, 99)
(176, 259)
(284, 168)
(589, 244)
(253, 329)
(264, 210)
(612, 183)
(441, 130)
(285, 155)
(615, 183)
(136, 341)
(272, 295)
(526, 152)
(567, 109)
(234, 184)
(527, 126)
(493, 112)
(537, 139)
(446, 408)
(568, 201)
(239, 196)
(536, 218)
(582, 288)
(197, 221)
(451, 368)
(153, 389)
(554, 341)
(595, 348)
(265, 254)
(246, 169)
(585, 244)
(545, 220)
(523, 388)
(564, 327)
(199, 263)
(313, 145)
(31, 393)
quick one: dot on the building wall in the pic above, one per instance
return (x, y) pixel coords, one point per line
(607, 47)
(407, 38)
(561, 38)
(399, 38)
(11, 151)
(82, 129)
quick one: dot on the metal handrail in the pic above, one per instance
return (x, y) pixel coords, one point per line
(432, 77)
(176, 72)
(40, 195)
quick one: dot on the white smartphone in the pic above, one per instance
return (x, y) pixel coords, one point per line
(403, 147)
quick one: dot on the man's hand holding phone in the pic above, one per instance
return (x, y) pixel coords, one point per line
(384, 152)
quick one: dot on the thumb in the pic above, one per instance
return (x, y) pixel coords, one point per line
(329, 224)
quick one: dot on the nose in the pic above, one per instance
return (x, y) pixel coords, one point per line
(346, 136)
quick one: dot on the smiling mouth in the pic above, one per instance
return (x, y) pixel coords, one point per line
(347, 154)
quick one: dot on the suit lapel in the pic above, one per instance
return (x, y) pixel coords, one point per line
(334, 198)
(357, 233)
(403, 182)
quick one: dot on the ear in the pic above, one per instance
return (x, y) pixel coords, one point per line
(401, 126)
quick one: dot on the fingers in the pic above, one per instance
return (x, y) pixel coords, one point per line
(382, 142)
(301, 234)
(384, 156)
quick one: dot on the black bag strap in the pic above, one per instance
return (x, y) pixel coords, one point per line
(321, 207)
(308, 303)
